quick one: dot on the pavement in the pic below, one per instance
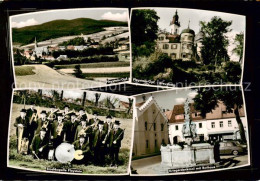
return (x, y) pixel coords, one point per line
(46, 77)
(151, 165)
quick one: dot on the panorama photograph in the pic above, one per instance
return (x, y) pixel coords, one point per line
(73, 48)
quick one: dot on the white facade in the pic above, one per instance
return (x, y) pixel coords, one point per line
(222, 129)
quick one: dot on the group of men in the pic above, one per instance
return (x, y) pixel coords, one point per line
(42, 134)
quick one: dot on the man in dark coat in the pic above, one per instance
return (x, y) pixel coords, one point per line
(42, 122)
(84, 129)
(70, 128)
(83, 145)
(115, 137)
(21, 124)
(99, 144)
(108, 125)
(32, 117)
(82, 116)
(51, 116)
(39, 146)
(57, 131)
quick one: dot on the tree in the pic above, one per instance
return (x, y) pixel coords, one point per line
(77, 72)
(239, 41)
(84, 98)
(214, 49)
(97, 96)
(144, 28)
(207, 100)
(110, 102)
(18, 58)
(130, 105)
(61, 95)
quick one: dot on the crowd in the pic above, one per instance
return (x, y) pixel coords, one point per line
(97, 141)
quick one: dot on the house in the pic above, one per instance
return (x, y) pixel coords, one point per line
(219, 124)
(151, 129)
(179, 45)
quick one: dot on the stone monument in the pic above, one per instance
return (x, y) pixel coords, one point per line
(175, 156)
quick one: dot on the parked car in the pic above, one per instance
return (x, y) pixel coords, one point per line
(230, 147)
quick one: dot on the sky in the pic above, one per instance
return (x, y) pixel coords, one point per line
(167, 99)
(195, 16)
(29, 19)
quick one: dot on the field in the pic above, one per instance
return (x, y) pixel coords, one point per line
(28, 162)
(95, 65)
(60, 28)
(24, 70)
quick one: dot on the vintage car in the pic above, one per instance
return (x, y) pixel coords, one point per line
(230, 147)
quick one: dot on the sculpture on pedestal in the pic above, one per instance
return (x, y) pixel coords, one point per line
(189, 128)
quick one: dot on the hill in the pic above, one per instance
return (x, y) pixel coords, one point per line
(59, 28)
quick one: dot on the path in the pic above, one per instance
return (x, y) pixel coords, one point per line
(46, 77)
(98, 70)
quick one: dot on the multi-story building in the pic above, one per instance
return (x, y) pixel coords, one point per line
(151, 129)
(180, 45)
(219, 124)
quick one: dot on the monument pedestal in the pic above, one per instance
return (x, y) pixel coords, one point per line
(176, 157)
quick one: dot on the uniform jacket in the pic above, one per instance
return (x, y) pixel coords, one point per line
(37, 143)
(99, 137)
(85, 147)
(25, 123)
(115, 136)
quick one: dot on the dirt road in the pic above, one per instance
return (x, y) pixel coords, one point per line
(46, 77)
(98, 70)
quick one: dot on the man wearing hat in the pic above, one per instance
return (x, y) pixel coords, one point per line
(66, 112)
(57, 130)
(31, 113)
(52, 114)
(83, 145)
(82, 129)
(70, 128)
(39, 146)
(21, 124)
(82, 115)
(108, 125)
(115, 137)
(94, 121)
(99, 144)
(42, 122)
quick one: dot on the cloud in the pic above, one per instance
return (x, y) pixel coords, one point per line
(116, 16)
(180, 100)
(29, 22)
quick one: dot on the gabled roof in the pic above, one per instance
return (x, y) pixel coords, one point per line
(147, 104)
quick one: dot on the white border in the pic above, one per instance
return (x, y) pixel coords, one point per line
(40, 11)
(243, 59)
(211, 170)
(128, 170)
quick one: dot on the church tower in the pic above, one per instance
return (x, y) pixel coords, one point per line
(175, 24)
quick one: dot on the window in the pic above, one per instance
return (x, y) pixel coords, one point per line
(162, 126)
(154, 126)
(161, 38)
(173, 55)
(190, 38)
(229, 123)
(184, 55)
(147, 144)
(200, 125)
(212, 124)
(174, 46)
(165, 46)
(145, 125)
(189, 46)
(221, 124)
(176, 127)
